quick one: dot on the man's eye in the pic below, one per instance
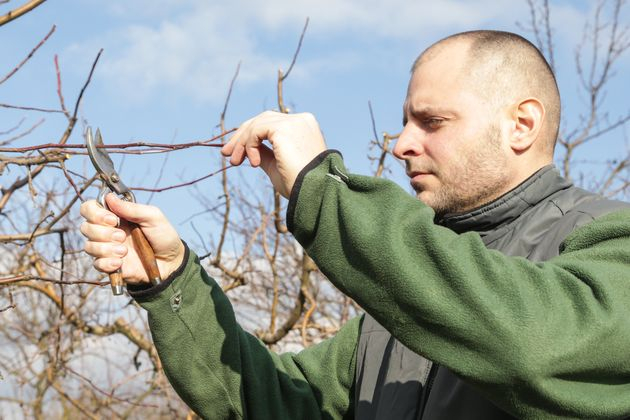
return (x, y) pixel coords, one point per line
(433, 123)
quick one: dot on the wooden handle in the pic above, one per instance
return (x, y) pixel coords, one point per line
(147, 256)
(116, 281)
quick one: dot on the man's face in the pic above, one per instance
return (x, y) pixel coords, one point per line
(452, 142)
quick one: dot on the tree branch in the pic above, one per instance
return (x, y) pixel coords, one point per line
(113, 148)
(16, 13)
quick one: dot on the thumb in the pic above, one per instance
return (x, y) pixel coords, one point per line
(140, 214)
(267, 160)
(269, 164)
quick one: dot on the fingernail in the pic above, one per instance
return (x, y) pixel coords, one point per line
(111, 220)
(120, 249)
(118, 236)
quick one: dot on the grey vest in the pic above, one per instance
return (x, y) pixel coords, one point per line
(531, 221)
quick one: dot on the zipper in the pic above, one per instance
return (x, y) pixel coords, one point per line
(428, 386)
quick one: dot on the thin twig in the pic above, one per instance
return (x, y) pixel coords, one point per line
(62, 260)
(280, 226)
(66, 209)
(614, 173)
(203, 243)
(308, 266)
(383, 146)
(29, 178)
(48, 216)
(73, 120)
(180, 185)
(28, 57)
(11, 130)
(25, 133)
(27, 277)
(69, 178)
(373, 121)
(48, 229)
(59, 91)
(297, 50)
(140, 152)
(74, 402)
(19, 183)
(28, 236)
(10, 306)
(6, 308)
(31, 108)
(549, 36)
(161, 173)
(107, 394)
(282, 77)
(307, 315)
(229, 94)
(224, 179)
(85, 85)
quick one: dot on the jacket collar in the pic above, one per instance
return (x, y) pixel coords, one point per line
(510, 206)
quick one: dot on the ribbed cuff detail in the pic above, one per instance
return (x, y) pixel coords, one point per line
(142, 292)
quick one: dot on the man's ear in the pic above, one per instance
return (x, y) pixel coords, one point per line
(528, 117)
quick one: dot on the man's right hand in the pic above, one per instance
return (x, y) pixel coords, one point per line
(111, 244)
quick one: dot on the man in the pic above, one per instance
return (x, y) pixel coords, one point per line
(502, 292)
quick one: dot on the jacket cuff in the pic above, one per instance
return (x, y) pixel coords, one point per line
(143, 292)
(297, 186)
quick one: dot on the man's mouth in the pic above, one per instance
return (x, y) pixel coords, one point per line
(416, 179)
(417, 175)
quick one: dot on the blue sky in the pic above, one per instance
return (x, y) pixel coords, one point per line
(167, 64)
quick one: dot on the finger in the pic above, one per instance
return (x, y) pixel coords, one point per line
(107, 265)
(238, 154)
(105, 249)
(100, 233)
(228, 148)
(253, 154)
(249, 143)
(94, 213)
(249, 137)
(141, 214)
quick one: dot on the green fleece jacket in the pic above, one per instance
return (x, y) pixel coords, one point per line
(534, 337)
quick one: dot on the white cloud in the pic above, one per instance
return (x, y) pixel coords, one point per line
(192, 47)
(195, 54)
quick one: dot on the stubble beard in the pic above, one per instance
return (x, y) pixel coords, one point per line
(477, 179)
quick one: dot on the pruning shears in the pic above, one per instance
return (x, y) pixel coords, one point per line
(111, 182)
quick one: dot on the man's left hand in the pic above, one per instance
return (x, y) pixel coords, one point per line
(295, 139)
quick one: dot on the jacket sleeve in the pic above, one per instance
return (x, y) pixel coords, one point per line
(539, 339)
(222, 372)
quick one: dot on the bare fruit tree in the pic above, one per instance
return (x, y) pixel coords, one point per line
(70, 349)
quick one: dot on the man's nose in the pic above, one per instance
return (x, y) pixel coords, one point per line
(409, 143)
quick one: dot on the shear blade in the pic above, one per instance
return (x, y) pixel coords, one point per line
(104, 165)
(98, 155)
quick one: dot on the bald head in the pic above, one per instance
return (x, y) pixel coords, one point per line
(502, 67)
